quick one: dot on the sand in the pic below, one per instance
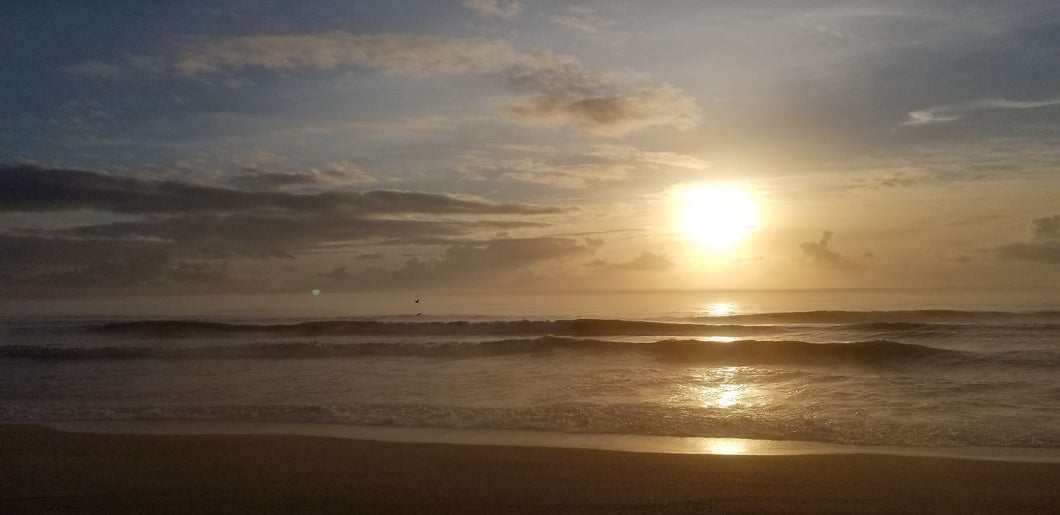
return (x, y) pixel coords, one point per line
(44, 470)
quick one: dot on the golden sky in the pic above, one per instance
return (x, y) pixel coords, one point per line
(253, 146)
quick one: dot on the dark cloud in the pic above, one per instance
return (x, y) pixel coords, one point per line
(496, 260)
(52, 263)
(341, 273)
(335, 174)
(24, 254)
(903, 177)
(197, 271)
(281, 235)
(259, 180)
(269, 235)
(1046, 227)
(821, 255)
(179, 235)
(1035, 252)
(28, 188)
(611, 115)
(1045, 248)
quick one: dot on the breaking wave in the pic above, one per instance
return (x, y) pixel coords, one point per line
(922, 316)
(575, 327)
(740, 326)
(740, 352)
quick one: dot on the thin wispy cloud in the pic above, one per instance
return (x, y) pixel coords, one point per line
(506, 9)
(952, 112)
(550, 88)
(591, 24)
(598, 164)
(337, 174)
(645, 262)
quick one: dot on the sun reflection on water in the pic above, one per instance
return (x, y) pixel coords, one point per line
(719, 308)
(725, 446)
(720, 388)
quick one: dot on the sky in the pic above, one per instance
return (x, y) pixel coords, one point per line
(252, 146)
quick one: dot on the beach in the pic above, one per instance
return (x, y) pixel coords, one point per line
(45, 470)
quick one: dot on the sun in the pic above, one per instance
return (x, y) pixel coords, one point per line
(716, 217)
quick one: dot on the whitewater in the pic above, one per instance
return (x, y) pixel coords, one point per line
(859, 368)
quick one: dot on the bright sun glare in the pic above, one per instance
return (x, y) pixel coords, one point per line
(716, 216)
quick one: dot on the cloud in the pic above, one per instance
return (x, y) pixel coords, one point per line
(821, 255)
(260, 180)
(586, 21)
(646, 262)
(506, 9)
(901, 178)
(649, 158)
(504, 260)
(952, 112)
(1046, 227)
(575, 176)
(417, 124)
(197, 272)
(333, 174)
(612, 115)
(561, 91)
(341, 273)
(29, 188)
(170, 252)
(82, 113)
(599, 164)
(393, 53)
(1045, 248)
(57, 263)
(143, 233)
(1034, 252)
(20, 253)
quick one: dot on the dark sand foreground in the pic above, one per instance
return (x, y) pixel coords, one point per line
(43, 470)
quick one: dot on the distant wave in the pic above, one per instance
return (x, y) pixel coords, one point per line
(575, 327)
(906, 316)
(742, 352)
(739, 326)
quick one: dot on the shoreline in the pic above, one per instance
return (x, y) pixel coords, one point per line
(526, 438)
(47, 470)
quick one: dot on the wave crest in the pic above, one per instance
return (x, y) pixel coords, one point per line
(735, 352)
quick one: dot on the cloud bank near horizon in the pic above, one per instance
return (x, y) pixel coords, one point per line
(153, 231)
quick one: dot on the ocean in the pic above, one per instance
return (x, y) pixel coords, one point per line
(906, 368)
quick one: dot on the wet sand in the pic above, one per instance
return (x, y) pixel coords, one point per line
(44, 470)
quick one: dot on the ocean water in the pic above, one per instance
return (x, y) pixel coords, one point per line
(916, 369)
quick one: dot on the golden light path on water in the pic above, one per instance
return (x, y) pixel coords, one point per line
(726, 446)
(719, 388)
(719, 308)
(629, 443)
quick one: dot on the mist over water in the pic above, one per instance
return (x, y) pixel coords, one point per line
(876, 368)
